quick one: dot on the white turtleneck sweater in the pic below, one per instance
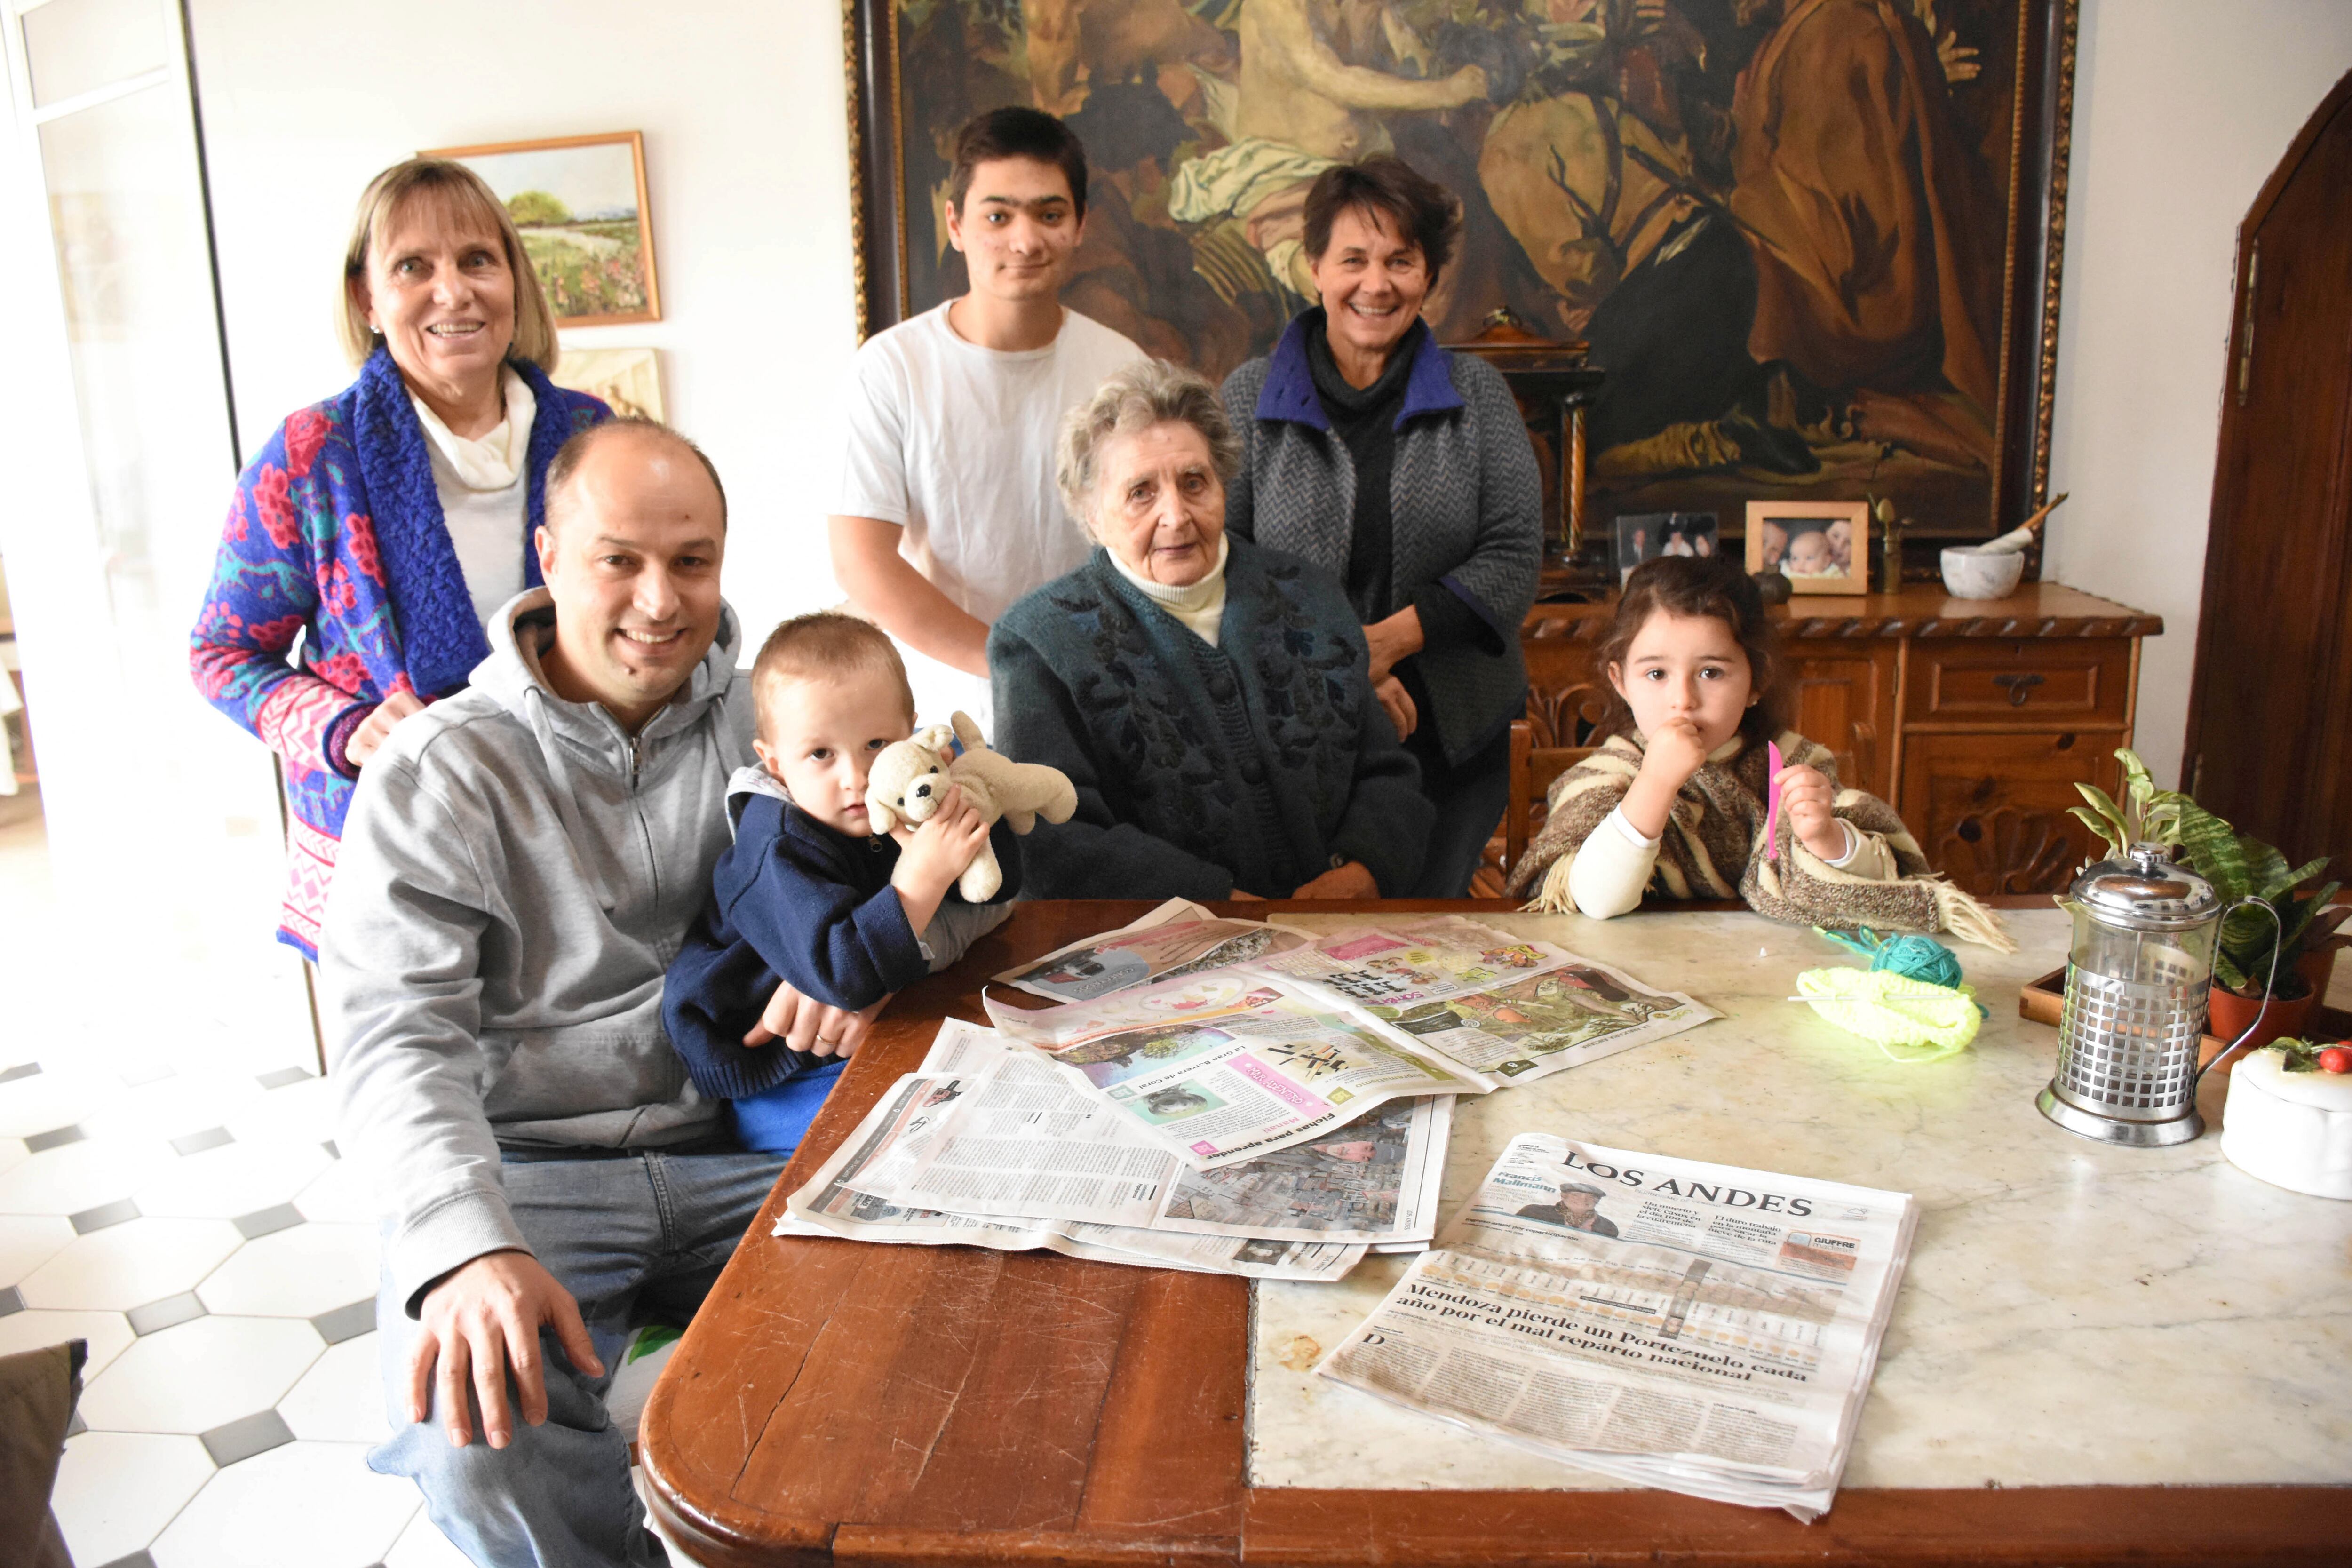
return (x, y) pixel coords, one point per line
(484, 490)
(1201, 605)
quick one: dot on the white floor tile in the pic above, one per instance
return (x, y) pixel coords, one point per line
(117, 1490)
(232, 1179)
(77, 1176)
(29, 1241)
(340, 1193)
(299, 1113)
(187, 1101)
(109, 1334)
(305, 1505)
(13, 1153)
(49, 1099)
(131, 1263)
(341, 1398)
(422, 1545)
(201, 1374)
(296, 1273)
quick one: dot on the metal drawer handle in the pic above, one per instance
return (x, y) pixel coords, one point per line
(2019, 685)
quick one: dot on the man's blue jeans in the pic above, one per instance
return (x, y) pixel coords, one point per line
(636, 1239)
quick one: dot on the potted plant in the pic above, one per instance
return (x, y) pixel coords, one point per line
(2308, 930)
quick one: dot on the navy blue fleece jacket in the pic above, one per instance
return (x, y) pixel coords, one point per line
(793, 899)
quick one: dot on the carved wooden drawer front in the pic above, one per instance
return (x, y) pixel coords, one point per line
(1990, 810)
(1978, 680)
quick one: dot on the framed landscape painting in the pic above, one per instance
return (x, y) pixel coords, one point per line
(580, 204)
(1698, 189)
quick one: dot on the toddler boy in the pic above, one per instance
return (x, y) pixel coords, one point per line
(807, 894)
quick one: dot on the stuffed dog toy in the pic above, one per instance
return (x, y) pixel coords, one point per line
(910, 777)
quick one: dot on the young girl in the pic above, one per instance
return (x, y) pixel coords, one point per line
(1676, 798)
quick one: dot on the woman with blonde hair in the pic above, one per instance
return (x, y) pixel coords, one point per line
(384, 527)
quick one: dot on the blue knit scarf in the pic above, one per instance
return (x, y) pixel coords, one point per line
(433, 613)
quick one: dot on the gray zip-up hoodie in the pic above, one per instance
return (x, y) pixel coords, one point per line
(516, 874)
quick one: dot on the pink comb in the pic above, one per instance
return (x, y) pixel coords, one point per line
(1772, 803)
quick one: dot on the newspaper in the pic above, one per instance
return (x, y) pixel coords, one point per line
(1226, 1064)
(1530, 1028)
(1412, 959)
(1023, 1141)
(1178, 938)
(1695, 1327)
(917, 1106)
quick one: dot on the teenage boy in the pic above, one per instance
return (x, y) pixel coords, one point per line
(948, 510)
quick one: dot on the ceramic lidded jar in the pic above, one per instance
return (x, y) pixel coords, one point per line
(2292, 1129)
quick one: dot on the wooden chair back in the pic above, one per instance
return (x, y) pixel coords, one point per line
(1534, 769)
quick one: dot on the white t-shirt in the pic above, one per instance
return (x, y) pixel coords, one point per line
(956, 444)
(484, 487)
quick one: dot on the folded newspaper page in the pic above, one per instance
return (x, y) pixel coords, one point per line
(1412, 959)
(917, 1106)
(1023, 1141)
(1226, 1065)
(1695, 1327)
(1178, 938)
(1530, 1028)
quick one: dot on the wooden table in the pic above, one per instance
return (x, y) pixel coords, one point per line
(843, 1400)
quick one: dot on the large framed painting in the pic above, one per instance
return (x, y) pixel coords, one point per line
(1814, 243)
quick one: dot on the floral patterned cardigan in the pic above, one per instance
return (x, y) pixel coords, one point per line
(336, 535)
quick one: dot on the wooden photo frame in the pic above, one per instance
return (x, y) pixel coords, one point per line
(1638, 221)
(579, 202)
(1820, 546)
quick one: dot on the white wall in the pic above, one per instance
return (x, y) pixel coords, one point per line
(2181, 110)
(741, 104)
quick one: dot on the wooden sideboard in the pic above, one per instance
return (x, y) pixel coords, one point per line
(1974, 718)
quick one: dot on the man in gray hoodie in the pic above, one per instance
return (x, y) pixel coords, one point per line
(519, 865)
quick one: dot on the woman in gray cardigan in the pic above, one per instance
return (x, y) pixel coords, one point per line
(1209, 699)
(1405, 472)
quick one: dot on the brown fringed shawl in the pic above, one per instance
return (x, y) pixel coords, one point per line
(1713, 848)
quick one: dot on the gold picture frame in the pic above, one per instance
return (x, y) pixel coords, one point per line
(1790, 536)
(587, 223)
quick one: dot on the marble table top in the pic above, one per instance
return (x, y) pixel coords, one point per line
(2074, 1314)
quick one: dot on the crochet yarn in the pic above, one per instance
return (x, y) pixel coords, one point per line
(1922, 958)
(1913, 994)
(1891, 1009)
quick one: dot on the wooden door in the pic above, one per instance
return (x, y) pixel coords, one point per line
(2273, 690)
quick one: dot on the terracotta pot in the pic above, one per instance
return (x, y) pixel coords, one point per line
(2227, 1013)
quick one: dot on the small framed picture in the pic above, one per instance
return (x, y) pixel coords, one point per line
(578, 202)
(1645, 536)
(1820, 546)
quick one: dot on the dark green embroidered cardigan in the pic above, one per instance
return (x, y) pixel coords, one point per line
(1259, 764)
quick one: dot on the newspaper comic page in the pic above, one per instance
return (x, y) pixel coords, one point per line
(1685, 1325)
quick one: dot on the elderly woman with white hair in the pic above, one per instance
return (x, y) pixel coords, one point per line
(385, 526)
(1209, 699)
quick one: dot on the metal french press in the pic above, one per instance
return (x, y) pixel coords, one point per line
(2137, 982)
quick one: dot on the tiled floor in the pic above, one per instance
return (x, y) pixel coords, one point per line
(170, 1191)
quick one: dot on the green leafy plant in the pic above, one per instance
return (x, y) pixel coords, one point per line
(2238, 866)
(2147, 814)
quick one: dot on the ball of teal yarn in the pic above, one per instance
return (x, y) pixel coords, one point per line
(1918, 958)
